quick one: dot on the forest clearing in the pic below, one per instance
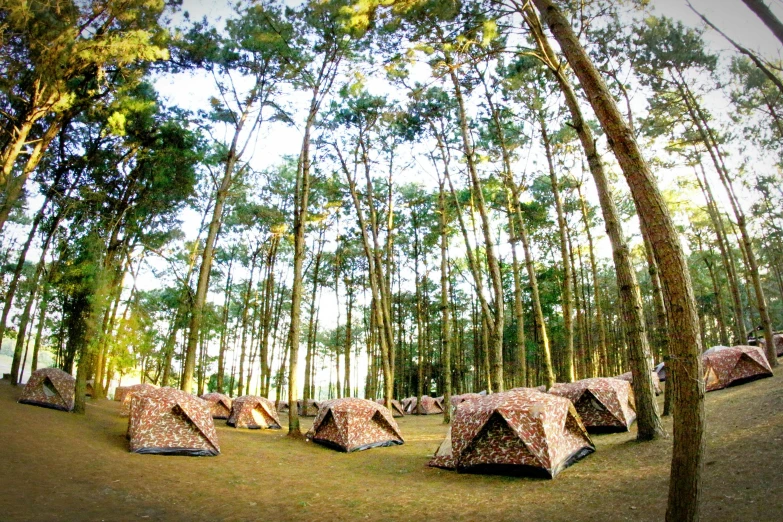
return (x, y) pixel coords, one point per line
(63, 467)
(469, 236)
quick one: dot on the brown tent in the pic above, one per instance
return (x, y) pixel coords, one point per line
(120, 392)
(777, 340)
(456, 400)
(219, 404)
(88, 388)
(282, 407)
(429, 406)
(308, 409)
(129, 393)
(519, 431)
(408, 405)
(728, 366)
(660, 370)
(353, 425)
(604, 404)
(628, 376)
(50, 388)
(171, 422)
(396, 409)
(253, 412)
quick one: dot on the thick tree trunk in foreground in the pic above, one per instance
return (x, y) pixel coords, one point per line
(767, 16)
(689, 422)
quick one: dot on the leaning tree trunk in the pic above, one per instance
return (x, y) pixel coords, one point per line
(767, 16)
(648, 418)
(444, 304)
(689, 422)
(568, 300)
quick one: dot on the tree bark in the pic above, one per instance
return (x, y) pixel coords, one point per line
(689, 423)
(767, 16)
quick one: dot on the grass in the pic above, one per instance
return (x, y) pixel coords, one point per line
(59, 466)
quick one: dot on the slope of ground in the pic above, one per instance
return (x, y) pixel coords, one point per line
(59, 466)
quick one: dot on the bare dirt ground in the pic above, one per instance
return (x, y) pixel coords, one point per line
(59, 466)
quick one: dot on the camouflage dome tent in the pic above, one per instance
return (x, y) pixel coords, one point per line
(660, 370)
(729, 366)
(777, 340)
(429, 406)
(171, 422)
(353, 425)
(253, 412)
(396, 409)
(628, 376)
(282, 406)
(456, 400)
(308, 408)
(129, 393)
(50, 388)
(408, 404)
(219, 404)
(604, 404)
(519, 431)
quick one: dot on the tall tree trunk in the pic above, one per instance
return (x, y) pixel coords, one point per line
(648, 418)
(444, 304)
(567, 295)
(767, 16)
(689, 422)
(245, 315)
(223, 330)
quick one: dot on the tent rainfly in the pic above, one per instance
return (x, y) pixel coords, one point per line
(729, 366)
(660, 370)
(777, 340)
(351, 424)
(408, 405)
(129, 393)
(396, 409)
(171, 422)
(456, 400)
(521, 431)
(219, 403)
(253, 412)
(429, 406)
(628, 376)
(50, 388)
(307, 408)
(604, 404)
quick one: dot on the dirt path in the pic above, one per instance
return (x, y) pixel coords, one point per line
(58, 466)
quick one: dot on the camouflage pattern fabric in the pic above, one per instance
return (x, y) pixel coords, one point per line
(253, 412)
(308, 409)
(129, 393)
(777, 340)
(354, 424)
(396, 409)
(120, 392)
(660, 370)
(171, 422)
(459, 399)
(604, 404)
(50, 388)
(628, 376)
(282, 407)
(521, 429)
(408, 405)
(429, 406)
(219, 403)
(728, 366)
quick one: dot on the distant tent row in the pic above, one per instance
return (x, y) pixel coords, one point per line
(351, 424)
(396, 409)
(628, 376)
(429, 405)
(777, 340)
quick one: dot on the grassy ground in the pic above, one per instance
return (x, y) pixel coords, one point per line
(59, 466)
